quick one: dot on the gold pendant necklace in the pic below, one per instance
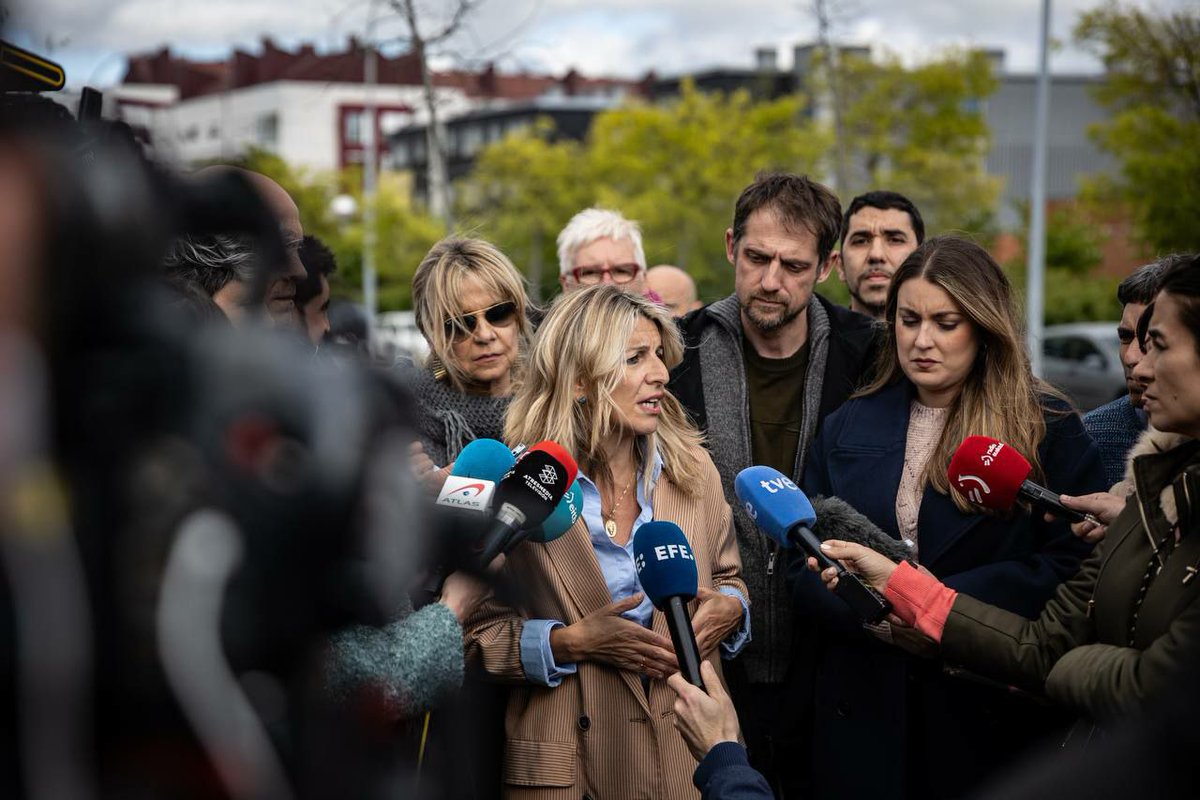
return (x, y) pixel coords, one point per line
(610, 523)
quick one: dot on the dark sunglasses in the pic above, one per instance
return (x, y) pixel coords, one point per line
(500, 315)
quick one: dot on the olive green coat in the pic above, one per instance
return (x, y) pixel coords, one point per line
(1092, 648)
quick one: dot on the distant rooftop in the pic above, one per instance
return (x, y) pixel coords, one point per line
(243, 69)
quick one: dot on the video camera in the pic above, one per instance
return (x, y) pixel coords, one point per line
(186, 505)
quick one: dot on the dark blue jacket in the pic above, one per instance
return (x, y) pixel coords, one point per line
(1115, 429)
(726, 774)
(927, 735)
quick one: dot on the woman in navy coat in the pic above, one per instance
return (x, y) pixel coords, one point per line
(888, 718)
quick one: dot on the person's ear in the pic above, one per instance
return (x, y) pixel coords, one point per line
(826, 268)
(730, 246)
(835, 258)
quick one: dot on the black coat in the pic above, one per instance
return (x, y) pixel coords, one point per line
(887, 724)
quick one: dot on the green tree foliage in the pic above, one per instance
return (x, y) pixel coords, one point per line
(404, 233)
(1152, 86)
(1074, 248)
(922, 132)
(676, 167)
(521, 193)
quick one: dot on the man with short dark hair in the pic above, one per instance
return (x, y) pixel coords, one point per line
(761, 369)
(1115, 427)
(879, 231)
(312, 293)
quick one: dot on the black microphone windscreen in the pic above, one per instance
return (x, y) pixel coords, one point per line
(837, 519)
(535, 485)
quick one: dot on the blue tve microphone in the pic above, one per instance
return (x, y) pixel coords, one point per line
(666, 569)
(472, 482)
(782, 511)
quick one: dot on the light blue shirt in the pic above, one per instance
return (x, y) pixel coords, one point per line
(620, 575)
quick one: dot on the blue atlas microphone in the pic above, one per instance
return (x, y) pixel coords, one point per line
(478, 468)
(666, 568)
(782, 511)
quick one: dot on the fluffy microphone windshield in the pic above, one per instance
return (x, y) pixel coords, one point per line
(665, 565)
(988, 472)
(837, 519)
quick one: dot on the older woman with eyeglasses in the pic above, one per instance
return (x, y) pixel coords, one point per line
(472, 308)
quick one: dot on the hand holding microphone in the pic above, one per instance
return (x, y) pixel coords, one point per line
(704, 716)
(860, 562)
(992, 474)
(783, 512)
(1104, 507)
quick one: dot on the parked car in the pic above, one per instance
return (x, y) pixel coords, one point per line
(1083, 359)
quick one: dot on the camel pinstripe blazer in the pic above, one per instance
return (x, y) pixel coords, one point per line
(598, 734)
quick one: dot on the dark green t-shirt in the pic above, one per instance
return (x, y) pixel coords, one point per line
(776, 388)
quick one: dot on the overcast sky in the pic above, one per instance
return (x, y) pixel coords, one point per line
(598, 37)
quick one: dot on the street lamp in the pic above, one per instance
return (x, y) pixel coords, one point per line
(345, 209)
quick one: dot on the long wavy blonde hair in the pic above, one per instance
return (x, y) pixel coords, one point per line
(1000, 397)
(579, 351)
(438, 285)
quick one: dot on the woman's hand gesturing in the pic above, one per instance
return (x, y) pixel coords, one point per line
(605, 636)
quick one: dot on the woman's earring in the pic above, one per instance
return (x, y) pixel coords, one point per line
(435, 365)
(581, 399)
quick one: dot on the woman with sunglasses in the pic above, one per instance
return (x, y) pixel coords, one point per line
(586, 653)
(1125, 630)
(472, 309)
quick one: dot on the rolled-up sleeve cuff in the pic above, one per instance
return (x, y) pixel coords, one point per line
(537, 659)
(735, 641)
(919, 599)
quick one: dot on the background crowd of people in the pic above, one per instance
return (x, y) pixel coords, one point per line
(258, 591)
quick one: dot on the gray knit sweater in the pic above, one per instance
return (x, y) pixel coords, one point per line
(727, 403)
(447, 419)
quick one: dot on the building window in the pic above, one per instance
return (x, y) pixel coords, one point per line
(352, 126)
(267, 129)
(399, 154)
(472, 140)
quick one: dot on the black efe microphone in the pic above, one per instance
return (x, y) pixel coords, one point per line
(666, 569)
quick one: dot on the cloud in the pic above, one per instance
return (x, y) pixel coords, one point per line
(613, 37)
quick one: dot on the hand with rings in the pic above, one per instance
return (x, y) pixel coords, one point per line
(607, 637)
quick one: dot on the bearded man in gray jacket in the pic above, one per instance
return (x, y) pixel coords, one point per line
(762, 369)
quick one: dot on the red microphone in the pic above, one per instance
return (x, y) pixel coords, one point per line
(527, 495)
(992, 474)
